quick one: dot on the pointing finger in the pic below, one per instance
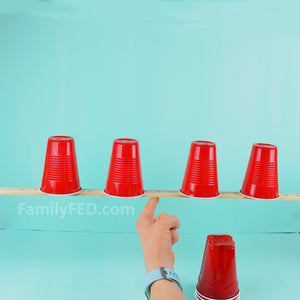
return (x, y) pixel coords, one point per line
(149, 209)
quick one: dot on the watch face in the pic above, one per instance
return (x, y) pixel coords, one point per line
(163, 272)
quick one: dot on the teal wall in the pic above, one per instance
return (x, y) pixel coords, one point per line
(166, 73)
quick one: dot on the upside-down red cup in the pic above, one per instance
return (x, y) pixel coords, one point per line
(218, 278)
(201, 176)
(261, 180)
(60, 171)
(125, 175)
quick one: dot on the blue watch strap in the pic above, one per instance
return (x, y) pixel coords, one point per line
(161, 273)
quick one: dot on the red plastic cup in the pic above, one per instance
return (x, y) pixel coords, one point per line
(60, 170)
(125, 175)
(218, 278)
(201, 176)
(261, 180)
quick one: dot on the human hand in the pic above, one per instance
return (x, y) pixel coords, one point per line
(157, 236)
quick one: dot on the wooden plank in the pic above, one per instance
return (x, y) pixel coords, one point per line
(148, 193)
(19, 191)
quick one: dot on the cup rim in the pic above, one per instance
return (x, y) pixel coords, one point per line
(254, 198)
(215, 197)
(197, 293)
(49, 194)
(129, 197)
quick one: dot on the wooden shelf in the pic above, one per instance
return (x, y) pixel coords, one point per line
(148, 193)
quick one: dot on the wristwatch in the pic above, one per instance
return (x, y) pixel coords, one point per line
(161, 273)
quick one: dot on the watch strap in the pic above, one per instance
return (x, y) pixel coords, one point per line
(158, 274)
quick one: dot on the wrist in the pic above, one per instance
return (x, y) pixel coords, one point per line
(162, 284)
(153, 262)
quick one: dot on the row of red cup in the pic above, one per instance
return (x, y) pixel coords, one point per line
(125, 176)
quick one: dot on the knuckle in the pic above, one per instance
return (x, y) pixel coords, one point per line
(175, 218)
(163, 220)
(163, 216)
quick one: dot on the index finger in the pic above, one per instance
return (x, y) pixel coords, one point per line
(149, 209)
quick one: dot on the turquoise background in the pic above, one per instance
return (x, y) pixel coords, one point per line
(166, 73)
